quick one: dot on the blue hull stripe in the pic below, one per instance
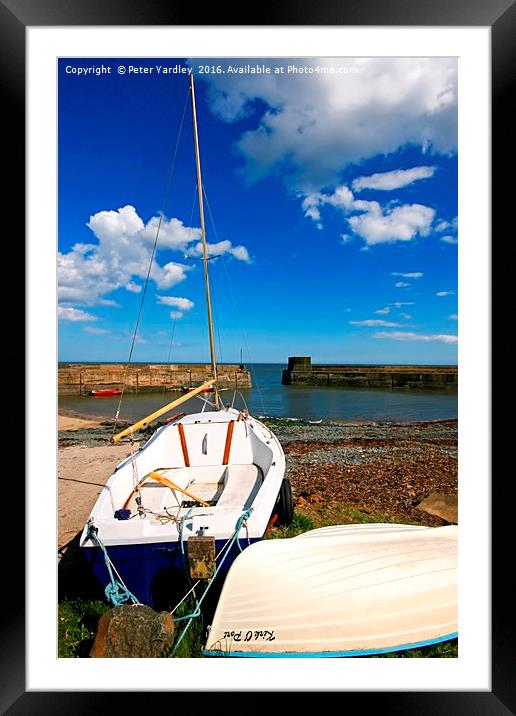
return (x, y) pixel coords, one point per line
(140, 565)
(330, 654)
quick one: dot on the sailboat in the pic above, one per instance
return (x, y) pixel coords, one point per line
(204, 487)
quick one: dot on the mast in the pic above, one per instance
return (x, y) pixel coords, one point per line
(204, 247)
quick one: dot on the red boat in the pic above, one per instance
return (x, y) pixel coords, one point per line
(105, 393)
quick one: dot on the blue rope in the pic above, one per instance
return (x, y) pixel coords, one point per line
(116, 592)
(197, 611)
(181, 540)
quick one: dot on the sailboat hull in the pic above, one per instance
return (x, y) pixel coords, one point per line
(214, 475)
(154, 573)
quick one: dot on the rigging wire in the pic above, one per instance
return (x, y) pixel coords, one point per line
(215, 311)
(214, 283)
(237, 313)
(161, 215)
(187, 241)
(212, 279)
(174, 321)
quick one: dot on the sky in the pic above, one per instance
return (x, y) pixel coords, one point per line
(330, 200)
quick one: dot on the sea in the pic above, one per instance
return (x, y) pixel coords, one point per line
(268, 397)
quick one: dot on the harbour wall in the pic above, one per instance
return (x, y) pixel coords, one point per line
(82, 378)
(300, 371)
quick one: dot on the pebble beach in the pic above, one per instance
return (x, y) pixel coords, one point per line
(340, 472)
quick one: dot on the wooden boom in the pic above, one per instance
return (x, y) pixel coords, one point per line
(165, 481)
(145, 421)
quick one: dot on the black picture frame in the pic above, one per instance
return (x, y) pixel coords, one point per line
(500, 16)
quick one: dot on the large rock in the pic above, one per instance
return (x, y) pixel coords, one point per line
(133, 631)
(443, 506)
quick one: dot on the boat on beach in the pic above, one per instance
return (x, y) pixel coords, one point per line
(341, 591)
(106, 393)
(203, 488)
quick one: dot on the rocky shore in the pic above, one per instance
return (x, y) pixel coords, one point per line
(339, 472)
(375, 471)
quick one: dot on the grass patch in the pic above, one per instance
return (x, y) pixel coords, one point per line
(300, 523)
(78, 619)
(341, 514)
(193, 640)
(77, 625)
(444, 650)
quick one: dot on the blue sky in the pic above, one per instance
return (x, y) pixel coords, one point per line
(333, 194)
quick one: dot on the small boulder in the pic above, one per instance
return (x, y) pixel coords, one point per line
(443, 506)
(133, 631)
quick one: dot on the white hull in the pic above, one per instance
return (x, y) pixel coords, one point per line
(339, 591)
(190, 453)
(252, 478)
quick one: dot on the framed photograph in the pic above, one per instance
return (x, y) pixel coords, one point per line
(91, 60)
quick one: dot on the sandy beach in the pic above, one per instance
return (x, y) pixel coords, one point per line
(339, 472)
(69, 422)
(82, 472)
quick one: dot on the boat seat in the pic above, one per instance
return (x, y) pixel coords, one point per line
(204, 481)
(241, 485)
(227, 485)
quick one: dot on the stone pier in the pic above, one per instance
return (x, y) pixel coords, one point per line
(82, 378)
(300, 371)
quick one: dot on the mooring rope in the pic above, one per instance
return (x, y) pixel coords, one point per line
(197, 611)
(116, 591)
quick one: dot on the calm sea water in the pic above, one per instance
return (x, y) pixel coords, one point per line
(269, 397)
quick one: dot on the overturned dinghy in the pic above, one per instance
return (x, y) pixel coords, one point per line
(353, 590)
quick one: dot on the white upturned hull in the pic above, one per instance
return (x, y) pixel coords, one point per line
(339, 591)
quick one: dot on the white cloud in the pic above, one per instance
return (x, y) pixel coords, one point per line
(406, 316)
(399, 304)
(176, 315)
(220, 248)
(403, 223)
(310, 206)
(65, 313)
(443, 224)
(375, 322)
(240, 253)
(122, 256)
(373, 223)
(453, 317)
(184, 304)
(96, 331)
(445, 293)
(308, 137)
(416, 274)
(173, 234)
(409, 336)
(401, 284)
(383, 311)
(387, 181)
